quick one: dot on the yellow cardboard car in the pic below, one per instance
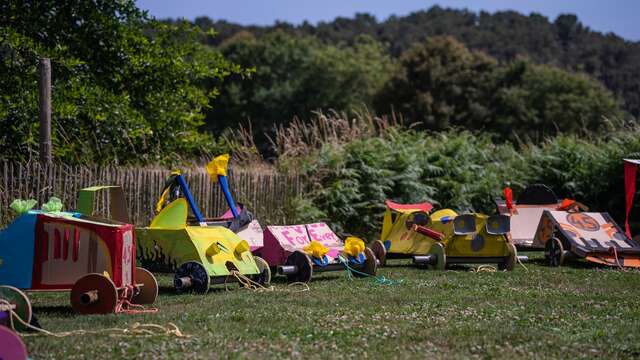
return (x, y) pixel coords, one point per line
(199, 253)
(444, 237)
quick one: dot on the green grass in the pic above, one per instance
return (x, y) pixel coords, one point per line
(567, 312)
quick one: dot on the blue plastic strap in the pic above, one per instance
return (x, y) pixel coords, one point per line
(224, 185)
(190, 200)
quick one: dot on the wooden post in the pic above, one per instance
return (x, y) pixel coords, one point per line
(44, 71)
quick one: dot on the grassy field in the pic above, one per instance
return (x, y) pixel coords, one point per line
(577, 311)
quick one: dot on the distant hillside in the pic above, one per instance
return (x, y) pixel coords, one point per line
(565, 42)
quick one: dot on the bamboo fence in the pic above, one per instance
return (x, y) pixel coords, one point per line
(265, 193)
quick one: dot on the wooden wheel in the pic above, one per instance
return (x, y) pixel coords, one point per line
(370, 264)
(511, 259)
(22, 305)
(380, 252)
(304, 266)
(12, 346)
(437, 249)
(94, 294)
(554, 252)
(192, 276)
(148, 292)
(264, 277)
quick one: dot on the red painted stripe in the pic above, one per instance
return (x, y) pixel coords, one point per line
(65, 246)
(76, 244)
(57, 244)
(44, 248)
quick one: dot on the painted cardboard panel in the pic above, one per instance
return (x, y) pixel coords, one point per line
(68, 248)
(280, 241)
(253, 234)
(524, 221)
(166, 249)
(587, 231)
(17, 244)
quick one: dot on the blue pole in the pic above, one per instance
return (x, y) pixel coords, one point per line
(224, 185)
(190, 200)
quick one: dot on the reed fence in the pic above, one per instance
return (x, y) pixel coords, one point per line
(266, 193)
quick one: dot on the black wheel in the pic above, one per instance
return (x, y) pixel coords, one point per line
(380, 252)
(264, 277)
(554, 252)
(192, 276)
(304, 266)
(370, 264)
(510, 260)
(437, 249)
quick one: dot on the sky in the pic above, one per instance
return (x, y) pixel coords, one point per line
(617, 16)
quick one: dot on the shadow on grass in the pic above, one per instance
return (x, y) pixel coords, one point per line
(53, 310)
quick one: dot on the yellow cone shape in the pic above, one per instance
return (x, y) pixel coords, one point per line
(353, 246)
(316, 249)
(242, 247)
(218, 166)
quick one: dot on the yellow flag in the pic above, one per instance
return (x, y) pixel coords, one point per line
(353, 246)
(218, 166)
(316, 249)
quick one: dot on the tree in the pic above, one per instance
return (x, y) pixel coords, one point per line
(441, 84)
(126, 89)
(505, 35)
(444, 84)
(539, 100)
(295, 76)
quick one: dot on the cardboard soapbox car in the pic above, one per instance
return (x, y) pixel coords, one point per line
(200, 252)
(567, 230)
(525, 213)
(299, 251)
(295, 250)
(438, 239)
(92, 257)
(592, 236)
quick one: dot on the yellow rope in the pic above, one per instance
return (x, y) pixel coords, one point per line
(248, 284)
(484, 268)
(137, 329)
(520, 262)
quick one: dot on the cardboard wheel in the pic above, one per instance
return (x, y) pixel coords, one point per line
(437, 249)
(94, 294)
(148, 292)
(192, 276)
(380, 252)
(12, 346)
(510, 260)
(554, 252)
(304, 265)
(264, 277)
(18, 298)
(370, 265)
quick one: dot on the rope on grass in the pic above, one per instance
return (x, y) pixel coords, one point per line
(249, 284)
(378, 280)
(124, 304)
(483, 268)
(136, 329)
(520, 262)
